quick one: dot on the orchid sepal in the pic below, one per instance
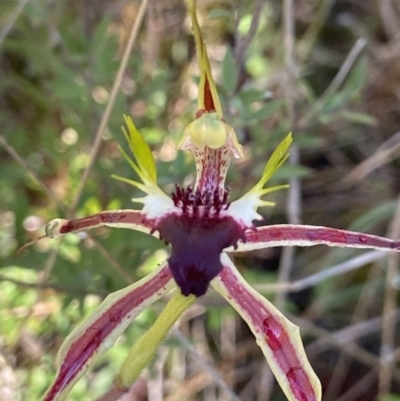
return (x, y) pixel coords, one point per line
(146, 165)
(208, 99)
(278, 157)
(244, 209)
(306, 235)
(156, 202)
(123, 218)
(97, 334)
(278, 338)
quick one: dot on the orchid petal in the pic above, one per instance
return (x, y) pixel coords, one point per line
(278, 338)
(278, 157)
(141, 151)
(144, 349)
(244, 209)
(95, 336)
(125, 218)
(156, 202)
(304, 235)
(208, 95)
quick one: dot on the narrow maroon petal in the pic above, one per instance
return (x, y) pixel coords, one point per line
(101, 330)
(278, 338)
(131, 219)
(106, 218)
(302, 235)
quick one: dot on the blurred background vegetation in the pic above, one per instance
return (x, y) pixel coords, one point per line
(58, 62)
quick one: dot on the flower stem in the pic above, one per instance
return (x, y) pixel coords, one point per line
(144, 349)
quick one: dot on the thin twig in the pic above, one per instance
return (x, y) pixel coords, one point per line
(337, 81)
(49, 286)
(317, 278)
(244, 42)
(309, 38)
(155, 378)
(204, 364)
(389, 21)
(293, 205)
(385, 154)
(12, 152)
(11, 21)
(343, 72)
(341, 342)
(115, 265)
(360, 387)
(389, 308)
(350, 334)
(45, 273)
(113, 96)
(113, 394)
(342, 365)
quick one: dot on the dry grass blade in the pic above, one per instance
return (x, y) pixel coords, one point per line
(204, 364)
(337, 81)
(389, 310)
(45, 274)
(351, 333)
(13, 17)
(383, 155)
(113, 96)
(343, 364)
(317, 278)
(113, 262)
(294, 196)
(358, 353)
(359, 388)
(309, 38)
(388, 16)
(244, 42)
(293, 205)
(11, 151)
(55, 287)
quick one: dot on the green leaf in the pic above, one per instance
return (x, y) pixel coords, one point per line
(266, 110)
(276, 160)
(219, 13)
(289, 171)
(306, 141)
(374, 216)
(141, 151)
(357, 77)
(391, 397)
(252, 95)
(358, 118)
(229, 71)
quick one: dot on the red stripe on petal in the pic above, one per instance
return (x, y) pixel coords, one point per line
(302, 235)
(286, 357)
(208, 99)
(84, 347)
(107, 218)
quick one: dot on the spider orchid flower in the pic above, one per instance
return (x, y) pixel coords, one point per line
(200, 225)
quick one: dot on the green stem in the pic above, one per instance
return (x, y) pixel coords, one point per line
(142, 352)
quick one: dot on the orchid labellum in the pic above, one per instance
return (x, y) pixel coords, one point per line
(200, 224)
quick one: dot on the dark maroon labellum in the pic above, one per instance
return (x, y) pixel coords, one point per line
(196, 248)
(197, 237)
